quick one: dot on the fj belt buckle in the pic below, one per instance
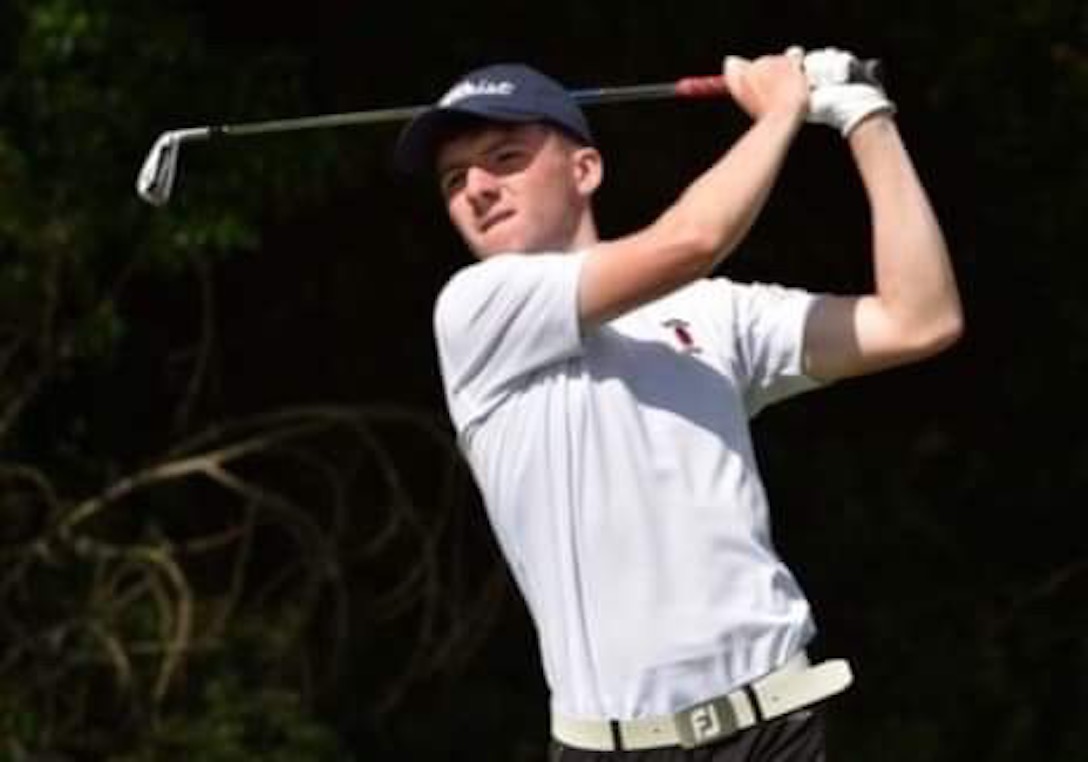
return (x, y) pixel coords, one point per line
(710, 721)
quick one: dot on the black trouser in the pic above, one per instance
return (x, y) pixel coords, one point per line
(798, 737)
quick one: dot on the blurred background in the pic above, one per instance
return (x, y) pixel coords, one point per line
(233, 524)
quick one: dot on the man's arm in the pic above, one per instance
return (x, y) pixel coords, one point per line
(915, 311)
(715, 212)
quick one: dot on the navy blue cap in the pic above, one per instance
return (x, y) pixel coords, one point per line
(509, 92)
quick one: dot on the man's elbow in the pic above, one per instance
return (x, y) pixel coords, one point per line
(939, 333)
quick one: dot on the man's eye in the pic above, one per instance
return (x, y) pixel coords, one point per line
(508, 156)
(452, 182)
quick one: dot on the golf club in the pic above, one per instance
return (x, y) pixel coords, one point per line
(155, 182)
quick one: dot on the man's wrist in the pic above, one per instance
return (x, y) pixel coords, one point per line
(785, 117)
(886, 110)
(872, 127)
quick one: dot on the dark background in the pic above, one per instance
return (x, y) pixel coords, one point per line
(232, 522)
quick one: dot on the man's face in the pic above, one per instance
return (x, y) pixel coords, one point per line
(515, 188)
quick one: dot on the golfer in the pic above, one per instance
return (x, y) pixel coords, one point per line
(601, 392)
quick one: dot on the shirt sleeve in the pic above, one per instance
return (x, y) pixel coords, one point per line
(765, 337)
(500, 320)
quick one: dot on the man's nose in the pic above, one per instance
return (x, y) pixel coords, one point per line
(481, 186)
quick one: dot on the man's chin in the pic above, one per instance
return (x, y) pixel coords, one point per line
(481, 251)
(491, 246)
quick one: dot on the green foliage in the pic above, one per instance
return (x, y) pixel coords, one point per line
(236, 722)
(229, 722)
(91, 623)
(88, 87)
(199, 608)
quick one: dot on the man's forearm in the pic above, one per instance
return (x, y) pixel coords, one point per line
(715, 212)
(724, 202)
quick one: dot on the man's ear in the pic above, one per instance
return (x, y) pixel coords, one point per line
(588, 169)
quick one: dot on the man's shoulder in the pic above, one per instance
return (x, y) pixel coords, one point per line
(467, 284)
(482, 271)
(468, 272)
(511, 272)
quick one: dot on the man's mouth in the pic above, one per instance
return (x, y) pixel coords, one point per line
(494, 220)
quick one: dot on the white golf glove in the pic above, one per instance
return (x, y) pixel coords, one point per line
(836, 101)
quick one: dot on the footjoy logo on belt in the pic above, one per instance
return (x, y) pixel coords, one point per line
(470, 89)
(704, 722)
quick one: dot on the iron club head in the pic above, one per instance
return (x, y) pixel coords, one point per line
(156, 179)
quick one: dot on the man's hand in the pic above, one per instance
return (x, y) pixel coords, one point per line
(769, 84)
(835, 100)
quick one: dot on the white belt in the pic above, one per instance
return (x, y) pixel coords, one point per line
(793, 686)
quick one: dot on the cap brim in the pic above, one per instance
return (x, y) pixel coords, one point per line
(419, 140)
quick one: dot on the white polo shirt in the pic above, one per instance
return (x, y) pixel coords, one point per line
(620, 479)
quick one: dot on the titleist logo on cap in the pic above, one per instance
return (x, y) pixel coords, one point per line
(470, 89)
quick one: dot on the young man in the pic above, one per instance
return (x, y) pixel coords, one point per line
(601, 392)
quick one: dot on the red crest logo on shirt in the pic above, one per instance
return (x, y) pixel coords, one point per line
(682, 335)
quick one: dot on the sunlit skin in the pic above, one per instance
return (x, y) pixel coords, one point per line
(522, 188)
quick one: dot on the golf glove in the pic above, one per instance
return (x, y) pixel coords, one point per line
(834, 99)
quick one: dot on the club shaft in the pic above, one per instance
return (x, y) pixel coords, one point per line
(688, 87)
(373, 116)
(403, 113)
